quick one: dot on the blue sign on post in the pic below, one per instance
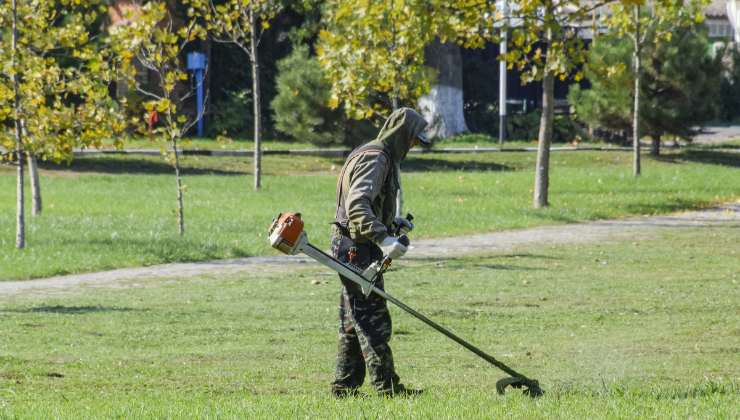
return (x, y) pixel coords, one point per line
(197, 63)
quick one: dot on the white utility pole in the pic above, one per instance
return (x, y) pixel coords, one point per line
(502, 76)
(733, 14)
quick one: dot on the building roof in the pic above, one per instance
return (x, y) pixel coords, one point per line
(716, 9)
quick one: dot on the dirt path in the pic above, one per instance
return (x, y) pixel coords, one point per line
(727, 215)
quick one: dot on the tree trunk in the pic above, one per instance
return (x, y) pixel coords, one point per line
(20, 220)
(178, 181)
(655, 146)
(33, 172)
(256, 96)
(542, 170)
(442, 107)
(542, 174)
(636, 110)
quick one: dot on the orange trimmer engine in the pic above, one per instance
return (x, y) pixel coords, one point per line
(286, 233)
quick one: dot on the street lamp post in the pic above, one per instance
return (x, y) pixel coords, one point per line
(502, 78)
(733, 14)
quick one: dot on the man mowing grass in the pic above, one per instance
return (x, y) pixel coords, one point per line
(366, 206)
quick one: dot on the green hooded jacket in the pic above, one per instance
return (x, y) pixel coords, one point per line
(369, 180)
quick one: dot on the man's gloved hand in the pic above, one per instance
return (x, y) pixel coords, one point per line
(402, 226)
(392, 247)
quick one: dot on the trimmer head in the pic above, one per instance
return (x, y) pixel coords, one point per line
(532, 387)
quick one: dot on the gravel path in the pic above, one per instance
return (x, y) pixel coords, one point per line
(727, 215)
(717, 134)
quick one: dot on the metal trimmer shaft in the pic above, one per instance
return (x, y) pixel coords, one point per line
(286, 234)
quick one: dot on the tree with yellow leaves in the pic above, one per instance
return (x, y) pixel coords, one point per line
(373, 51)
(53, 84)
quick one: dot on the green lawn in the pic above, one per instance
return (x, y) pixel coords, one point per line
(109, 212)
(642, 328)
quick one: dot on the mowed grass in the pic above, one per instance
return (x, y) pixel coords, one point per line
(109, 212)
(638, 328)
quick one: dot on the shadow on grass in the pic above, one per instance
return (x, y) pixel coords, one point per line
(73, 310)
(466, 260)
(464, 263)
(555, 217)
(709, 157)
(130, 165)
(164, 249)
(413, 164)
(670, 206)
(529, 255)
(717, 146)
(505, 267)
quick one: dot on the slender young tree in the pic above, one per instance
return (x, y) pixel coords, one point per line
(649, 22)
(546, 43)
(242, 23)
(152, 39)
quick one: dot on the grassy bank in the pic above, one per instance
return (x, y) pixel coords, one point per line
(629, 329)
(109, 212)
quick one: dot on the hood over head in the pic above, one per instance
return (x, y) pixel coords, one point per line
(399, 131)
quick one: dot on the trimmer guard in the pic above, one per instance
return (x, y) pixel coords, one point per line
(532, 387)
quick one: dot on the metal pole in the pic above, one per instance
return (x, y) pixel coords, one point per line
(199, 100)
(502, 77)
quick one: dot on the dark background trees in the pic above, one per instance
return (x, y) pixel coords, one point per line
(297, 27)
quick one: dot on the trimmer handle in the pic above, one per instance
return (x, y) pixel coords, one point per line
(386, 263)
(404, 240)
(410, 218)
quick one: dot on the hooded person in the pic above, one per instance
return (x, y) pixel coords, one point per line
(363, 232)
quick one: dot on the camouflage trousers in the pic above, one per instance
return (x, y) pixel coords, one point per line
(364, 328)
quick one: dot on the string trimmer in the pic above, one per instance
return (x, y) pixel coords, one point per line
(287, 235)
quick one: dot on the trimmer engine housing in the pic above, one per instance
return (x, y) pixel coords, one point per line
(286, 233)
